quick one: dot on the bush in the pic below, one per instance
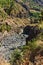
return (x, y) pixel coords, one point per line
(35, 14)
(9, 9)
(16, 55)
(4, 27)
(32, 44)
(5, 3)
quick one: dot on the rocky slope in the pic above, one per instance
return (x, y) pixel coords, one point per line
(20, 23)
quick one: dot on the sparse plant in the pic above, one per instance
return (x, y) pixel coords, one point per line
(4, 27)
(16, 56)
(32, 44)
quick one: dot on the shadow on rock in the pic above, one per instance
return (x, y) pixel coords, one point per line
(31, 31)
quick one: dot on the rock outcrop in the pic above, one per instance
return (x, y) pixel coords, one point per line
(9, 43)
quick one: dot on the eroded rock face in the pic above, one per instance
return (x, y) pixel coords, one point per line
(9, 43)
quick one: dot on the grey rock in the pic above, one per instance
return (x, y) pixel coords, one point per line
(9, 43)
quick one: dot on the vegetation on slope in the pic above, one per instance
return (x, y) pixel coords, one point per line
(10, 9)
(25, 55)
(34, 4)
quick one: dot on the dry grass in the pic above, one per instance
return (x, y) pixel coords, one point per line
(3, 62)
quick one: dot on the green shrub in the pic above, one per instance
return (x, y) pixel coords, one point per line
(32, 44)
(5, 3)
(4, 27)
(16, 55)
(9, 9)
(3, 15)
(24, 47)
